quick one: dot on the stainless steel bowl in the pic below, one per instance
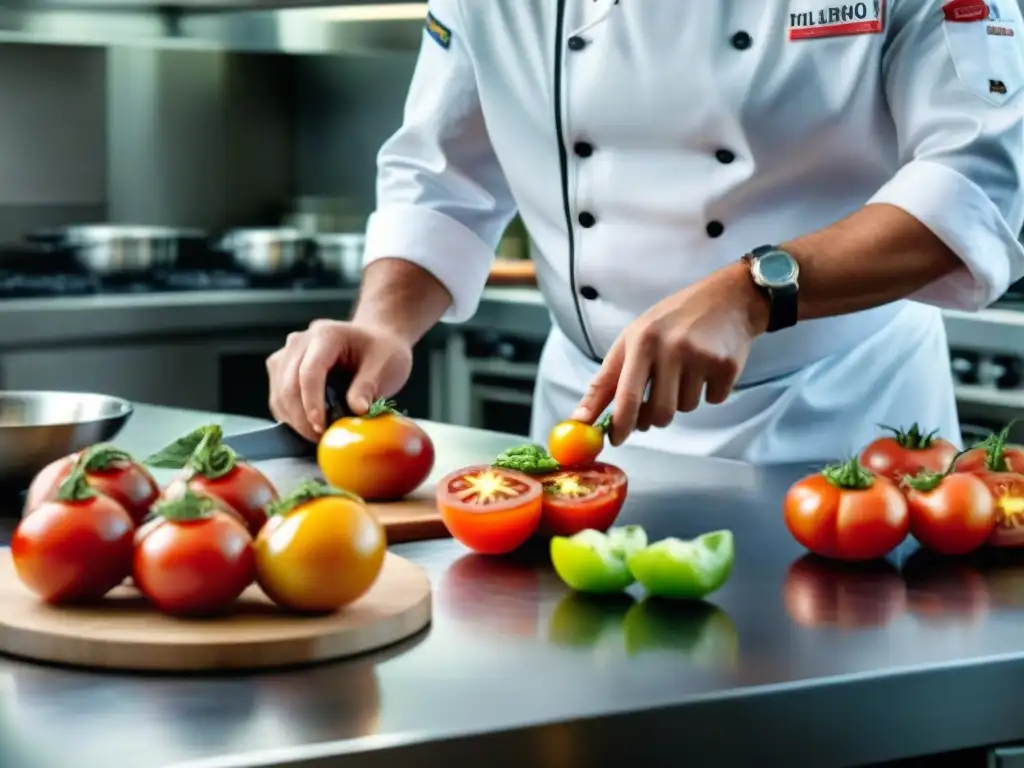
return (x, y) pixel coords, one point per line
(39, 427)
(266, 252)
(341, 254)
(111, 249)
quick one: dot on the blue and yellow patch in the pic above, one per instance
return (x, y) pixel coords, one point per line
(441, 34)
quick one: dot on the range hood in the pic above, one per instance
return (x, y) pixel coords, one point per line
(278, 26)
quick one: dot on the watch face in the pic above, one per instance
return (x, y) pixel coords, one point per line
(776, 269)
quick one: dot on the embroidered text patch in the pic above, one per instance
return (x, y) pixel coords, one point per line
(839, 19)
(441, 34)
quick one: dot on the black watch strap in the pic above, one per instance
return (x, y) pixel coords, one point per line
(784, 301)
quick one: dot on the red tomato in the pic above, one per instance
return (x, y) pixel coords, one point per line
(908, 452)
(825, 593)
(993, 454)
(576, 443)
(577, 499)
(76, 548)
(492, 511)
(1007, 489)
(213, 469)
(846, 513)
(109, 470)
(193, 559)
(952, 514)
(382, 456)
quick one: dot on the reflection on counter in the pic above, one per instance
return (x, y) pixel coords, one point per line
(820, 593)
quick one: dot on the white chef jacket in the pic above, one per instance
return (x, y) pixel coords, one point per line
(648, 143)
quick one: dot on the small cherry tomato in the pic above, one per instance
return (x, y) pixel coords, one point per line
(846, 513)
(907, 452)
(488, 509)
(109, 470)
(382, 456)
(322, 549)
(993, 454)
(576, 443)
(75, 548)
(210, 468)
(1007, 489)
(950, 514)
(575, 500)
(192, 559)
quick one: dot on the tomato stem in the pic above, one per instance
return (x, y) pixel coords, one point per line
(201, 450)
(995, 448)
(913, 438)
(849, 475)
(381, 407)
(75, 487)
(604, 423)
(189, 507)
(306, 491)
(924, 482)
(103, 456)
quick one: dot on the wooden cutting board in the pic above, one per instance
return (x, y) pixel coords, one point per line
(413, 519)
(125, 632)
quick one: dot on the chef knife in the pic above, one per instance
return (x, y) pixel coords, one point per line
(280, 441)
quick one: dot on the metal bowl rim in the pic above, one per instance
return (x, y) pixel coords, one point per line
(126, 407)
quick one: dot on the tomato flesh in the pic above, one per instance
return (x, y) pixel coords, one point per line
(380, 458)
(492, 511)
(577, 500)
(846, 524)
(194, 567)
(321, 555)
(74, 551)
(1007, 489)
(575, 443)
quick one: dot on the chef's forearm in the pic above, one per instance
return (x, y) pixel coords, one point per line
(876, 256)
(401, 297)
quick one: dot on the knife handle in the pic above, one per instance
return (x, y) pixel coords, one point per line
(338, 382)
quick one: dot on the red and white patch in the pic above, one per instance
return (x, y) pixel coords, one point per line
(965, 11)
(838, 20)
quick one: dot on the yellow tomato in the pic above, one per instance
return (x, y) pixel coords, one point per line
(320, 550)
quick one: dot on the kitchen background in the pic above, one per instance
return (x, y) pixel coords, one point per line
(219, 121)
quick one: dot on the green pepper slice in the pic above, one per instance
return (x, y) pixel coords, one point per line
(595, 562)
(685, 570)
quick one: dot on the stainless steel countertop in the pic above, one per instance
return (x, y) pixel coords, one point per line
(792, 663)
(31, 323)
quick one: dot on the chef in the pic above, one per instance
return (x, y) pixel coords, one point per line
(745, 215)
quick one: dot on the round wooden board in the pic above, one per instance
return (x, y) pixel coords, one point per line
(125, 632)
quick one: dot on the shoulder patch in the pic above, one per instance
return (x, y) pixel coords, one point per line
(442, 35)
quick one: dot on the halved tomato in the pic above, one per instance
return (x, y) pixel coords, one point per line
(490, 510)
(1008, 491)
(578, 499)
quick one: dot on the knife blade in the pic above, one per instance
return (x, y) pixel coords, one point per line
(280, 441)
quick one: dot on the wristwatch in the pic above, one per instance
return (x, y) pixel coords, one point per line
(777, 274)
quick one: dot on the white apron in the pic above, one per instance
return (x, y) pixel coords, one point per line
(828, 410)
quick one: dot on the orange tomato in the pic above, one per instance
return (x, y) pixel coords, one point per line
(382, 456)
(490, 510)
(576, 443)
(846, 513)
(321, 549)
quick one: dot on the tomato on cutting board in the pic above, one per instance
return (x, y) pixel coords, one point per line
(993, 454)
(210, 468)
(109, 470)
(950, 514)
(489, 509)
(192, 559)
(907, 452)
(579, 499)
(75, 548)
(322, 549)
(576, 443)
(847, 513)
(382, 456)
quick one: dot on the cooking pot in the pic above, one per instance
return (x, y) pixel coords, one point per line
(267, 251)
(341, 254)
(112, 249)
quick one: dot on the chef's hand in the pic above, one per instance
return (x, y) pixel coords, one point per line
(695, 340)
(379, 360)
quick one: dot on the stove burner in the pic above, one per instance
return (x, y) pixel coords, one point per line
(20, 285)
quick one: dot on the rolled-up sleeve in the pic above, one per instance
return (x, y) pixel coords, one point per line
(442, 200)
(955, 92)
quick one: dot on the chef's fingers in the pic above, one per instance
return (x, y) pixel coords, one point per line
(691, 387)
(629, 394)
(285, 394)
(375, 365)
(661, 406)
(321, 354)
(720, 386)
(602, 386)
